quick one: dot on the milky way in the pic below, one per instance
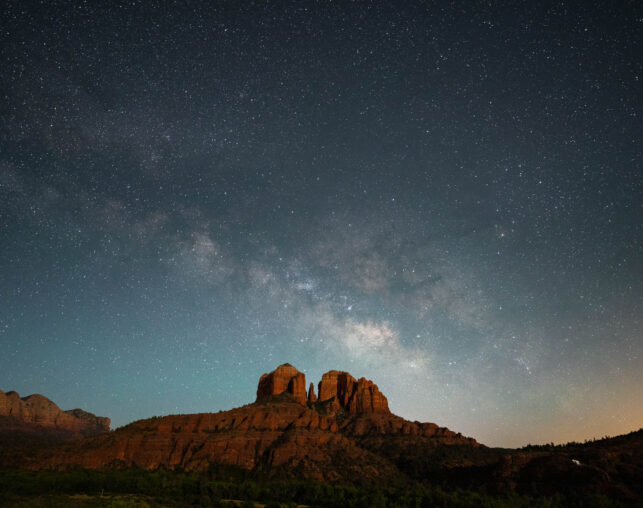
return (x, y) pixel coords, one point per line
(445, 198)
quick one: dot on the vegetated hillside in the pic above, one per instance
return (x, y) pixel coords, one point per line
(610, 466)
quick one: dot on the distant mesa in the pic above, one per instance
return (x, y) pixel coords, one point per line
(340, 388)
(37, 411)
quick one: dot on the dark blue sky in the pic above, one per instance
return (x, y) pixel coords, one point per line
(444, 198)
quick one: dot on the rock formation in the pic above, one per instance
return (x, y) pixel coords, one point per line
(284, 379)
(355, 396)
(336, 384)
(38, 411)
(361, 396)
(311, 393)
(276, 435)
(347, 435)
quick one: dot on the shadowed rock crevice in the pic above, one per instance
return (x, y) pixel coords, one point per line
(311, 393)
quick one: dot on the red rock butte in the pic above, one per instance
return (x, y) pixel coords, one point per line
(338, 388)
(347, 434)
(284, 379)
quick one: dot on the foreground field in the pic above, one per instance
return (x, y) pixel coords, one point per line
(161, 488)
(124, 501)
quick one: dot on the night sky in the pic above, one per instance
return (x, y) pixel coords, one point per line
(445, 198)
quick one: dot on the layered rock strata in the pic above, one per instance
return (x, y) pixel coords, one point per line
(279, 435)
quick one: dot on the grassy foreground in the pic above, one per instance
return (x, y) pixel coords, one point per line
(135, 488)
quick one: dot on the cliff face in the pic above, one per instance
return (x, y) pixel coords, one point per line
(284, 379)
(357, 397)
(37, 411)
(343, 436)
(280, 435)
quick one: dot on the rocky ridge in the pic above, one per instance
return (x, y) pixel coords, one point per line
(341, 436)
(37, 411)
(346, 434)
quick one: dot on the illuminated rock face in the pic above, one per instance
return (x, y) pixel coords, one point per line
(39, 411)
(356, 396)
(284, 379)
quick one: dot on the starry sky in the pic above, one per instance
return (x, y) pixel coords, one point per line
(444, 197)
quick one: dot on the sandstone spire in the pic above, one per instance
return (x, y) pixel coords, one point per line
(311, 393)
